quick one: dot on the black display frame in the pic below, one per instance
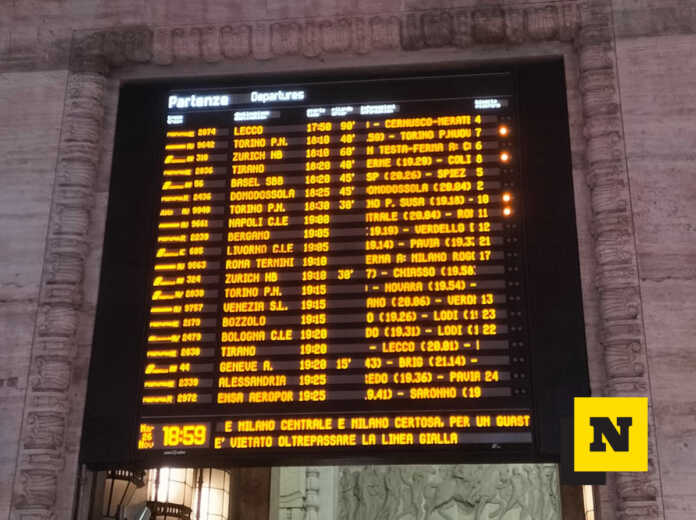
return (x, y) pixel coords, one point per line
(558, 367)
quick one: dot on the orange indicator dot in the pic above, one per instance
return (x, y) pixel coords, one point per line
(507, 197)
(504, 157)
(507, 212)
(503, 130)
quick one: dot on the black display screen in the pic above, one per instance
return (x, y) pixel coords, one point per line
(331, 269)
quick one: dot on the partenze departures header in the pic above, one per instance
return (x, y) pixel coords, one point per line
(194, 101)
(222, 100)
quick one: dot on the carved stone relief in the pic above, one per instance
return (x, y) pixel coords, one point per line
(315, 37)
(587, 24)
(449, 492)
(291, 493)
(312, 495)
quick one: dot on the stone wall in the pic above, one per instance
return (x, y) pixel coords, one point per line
(630, 75)
(657, 73)
(29, 134)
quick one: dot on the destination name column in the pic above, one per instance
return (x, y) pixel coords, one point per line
(255, 316)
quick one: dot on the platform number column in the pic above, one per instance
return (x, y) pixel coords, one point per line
(346, 203)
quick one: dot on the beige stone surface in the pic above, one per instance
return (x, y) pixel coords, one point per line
(16, 326)
(669, 308)
(634, 18)
(31, 105)
(658, 82)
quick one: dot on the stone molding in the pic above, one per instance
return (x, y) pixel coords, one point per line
(42, 451)
(319, 37)
(586, 24)
(616, 277)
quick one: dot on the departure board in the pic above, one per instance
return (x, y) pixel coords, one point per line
(335, 266)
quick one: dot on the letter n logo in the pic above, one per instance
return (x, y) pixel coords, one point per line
(603, 427)
(610, 434)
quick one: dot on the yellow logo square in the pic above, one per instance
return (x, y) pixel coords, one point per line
(610, 434)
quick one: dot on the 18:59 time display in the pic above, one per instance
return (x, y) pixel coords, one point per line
(175, 435)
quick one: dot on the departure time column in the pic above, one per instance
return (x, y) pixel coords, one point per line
(314, 315)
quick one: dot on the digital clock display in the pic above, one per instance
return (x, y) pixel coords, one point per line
(169, 436)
